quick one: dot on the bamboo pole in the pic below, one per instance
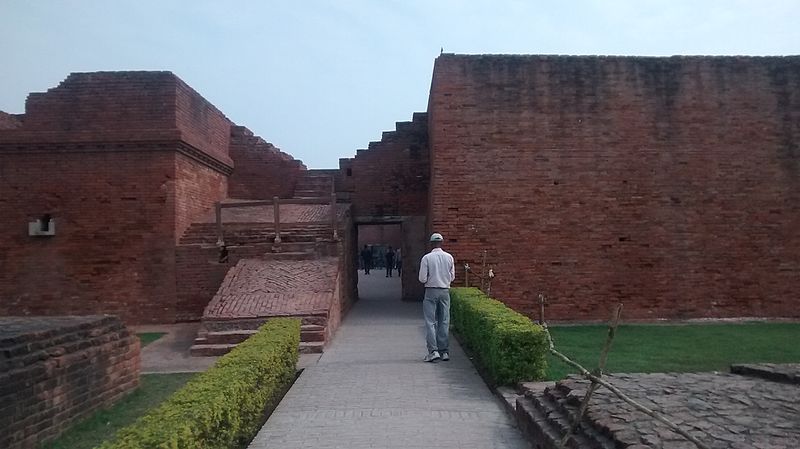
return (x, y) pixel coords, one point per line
(276, 207)
(601, 366)
(585, 373)
(218, 215)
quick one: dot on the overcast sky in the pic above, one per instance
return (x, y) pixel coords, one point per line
(321, 79)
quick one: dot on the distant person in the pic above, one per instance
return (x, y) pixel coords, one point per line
(366, 259)
(398, 261)
(437, 270)
(389, 256)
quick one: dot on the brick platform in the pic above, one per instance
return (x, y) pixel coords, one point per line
(57, 370)
(256, 290)
(725, 411)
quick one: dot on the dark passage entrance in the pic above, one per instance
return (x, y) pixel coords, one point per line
(380, 261)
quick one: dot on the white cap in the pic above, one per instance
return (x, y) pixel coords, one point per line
(436, 237)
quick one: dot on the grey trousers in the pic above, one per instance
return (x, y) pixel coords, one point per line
(436, 308)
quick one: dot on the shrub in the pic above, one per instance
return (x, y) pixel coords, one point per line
(224, 406)
(508, 346)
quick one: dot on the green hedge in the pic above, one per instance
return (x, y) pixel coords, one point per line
(508, 345)
(224, 406)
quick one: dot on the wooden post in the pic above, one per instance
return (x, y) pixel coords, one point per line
(483, 271)
(218, 213)
(333, 217)
(276, 206)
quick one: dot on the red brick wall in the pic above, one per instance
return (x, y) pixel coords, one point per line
(199, 274)
(391, 177)
(9, 121)
(261, 170)
(113, 251)
(201, 124)
(57, 371)
(125, 162)
(669, 184)
(391, 234)
(197, 188)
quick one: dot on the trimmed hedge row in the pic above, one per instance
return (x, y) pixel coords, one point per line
(508, 345)
(224, 406)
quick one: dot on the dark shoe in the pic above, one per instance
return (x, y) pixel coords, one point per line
(445, 356)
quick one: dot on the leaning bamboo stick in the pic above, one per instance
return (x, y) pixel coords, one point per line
(601, 366)
(585, 373)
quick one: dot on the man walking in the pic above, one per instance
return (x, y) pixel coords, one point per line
(437, 270)
(366, 257)
(389, 262)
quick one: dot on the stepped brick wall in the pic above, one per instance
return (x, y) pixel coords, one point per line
(122, 161)
(669, 184)
(391, 176)
(262, 170)
(56, 371)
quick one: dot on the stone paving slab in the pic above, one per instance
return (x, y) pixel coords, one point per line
(370, 389)
(260, 288)
(726, 411)
(778, 372)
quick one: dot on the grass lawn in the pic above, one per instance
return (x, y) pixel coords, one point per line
(148, 337)
(676, 348)
(153, 389)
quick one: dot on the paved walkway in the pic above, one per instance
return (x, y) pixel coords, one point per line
(370, 389)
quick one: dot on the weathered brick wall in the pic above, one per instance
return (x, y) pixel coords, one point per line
(89, 105)
(113, 251)
(56, 371)
(262, 170)
(199, 274)
(669, 184)
(391, 234)
(201, 124)
(124, 162)
(391, 176)
(9, 121)
(197, 188)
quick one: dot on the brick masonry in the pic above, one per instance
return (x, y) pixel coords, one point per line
(262, 170)
(669, 184)
(391, 176)
(55, 371)
(123, 162)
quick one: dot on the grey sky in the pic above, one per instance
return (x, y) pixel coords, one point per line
(322, 79)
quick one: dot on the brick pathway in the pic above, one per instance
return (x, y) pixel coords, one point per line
(259, 288)
(370, 389)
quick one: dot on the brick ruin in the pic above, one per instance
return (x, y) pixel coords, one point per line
(56, 371)
(670, 184)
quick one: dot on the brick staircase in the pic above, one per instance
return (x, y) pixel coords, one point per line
(543, 411)
(313, 185)
(219, 338)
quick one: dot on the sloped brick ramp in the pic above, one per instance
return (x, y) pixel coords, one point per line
(255, 290)
(725, 411)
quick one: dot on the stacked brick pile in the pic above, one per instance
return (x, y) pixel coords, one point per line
(57, 370)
